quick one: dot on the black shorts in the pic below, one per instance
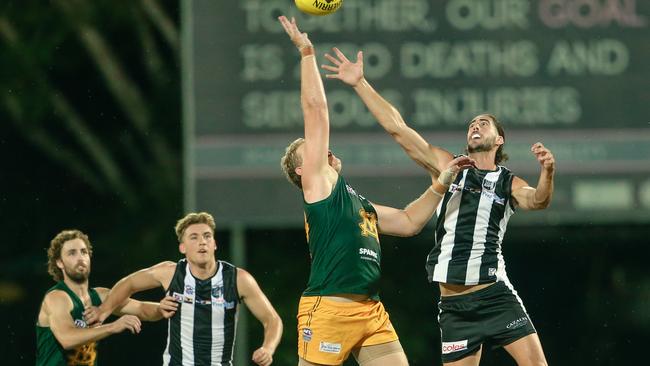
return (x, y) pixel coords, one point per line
(492, 315)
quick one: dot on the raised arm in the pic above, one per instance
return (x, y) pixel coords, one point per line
(432, 158)
(144, 310)
(316, 172)
(262, 309)
(529, 198)
(410, 220)
(57, 306)
(152, 277)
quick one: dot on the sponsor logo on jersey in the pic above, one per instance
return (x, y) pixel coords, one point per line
(189, 290)
(494, 197)
(178, 297)
(217, 291)
(306, 334)
(517, 323)
(229, 304)
(351, 190)
(450, 347)
(328, 347)
(365, 252)
(492, 271)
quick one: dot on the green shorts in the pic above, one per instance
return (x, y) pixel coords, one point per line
(492, 315)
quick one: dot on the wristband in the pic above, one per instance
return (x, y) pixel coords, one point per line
(446, 177)
(306, 51)
(433, 190)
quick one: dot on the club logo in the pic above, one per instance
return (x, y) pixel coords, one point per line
(489, 185)
(217, 291)
(189, 290)
(80, 323)
(306, 334)
(368, 224)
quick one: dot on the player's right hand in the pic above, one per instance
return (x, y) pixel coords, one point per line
(262, 357)
(130, 322)
(168, 307)
(299, 39)
(94, 315)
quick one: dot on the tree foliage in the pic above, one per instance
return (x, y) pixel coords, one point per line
(90, 104)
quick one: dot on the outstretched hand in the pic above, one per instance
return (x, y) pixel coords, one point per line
(452, 169)
(544, 156)
(299, 39)
(345, 70)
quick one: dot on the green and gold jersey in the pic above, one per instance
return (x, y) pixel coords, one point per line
(343, 243)
(49, 351)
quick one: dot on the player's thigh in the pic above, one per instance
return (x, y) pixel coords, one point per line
(527, 351)
(385, 354)
(469, 360)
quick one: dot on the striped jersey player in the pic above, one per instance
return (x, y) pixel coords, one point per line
(478, 303)
(204, 296)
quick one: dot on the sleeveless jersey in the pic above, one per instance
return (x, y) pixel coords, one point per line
(202, 332)
(472, 220)
(343, 244)
(49, 351)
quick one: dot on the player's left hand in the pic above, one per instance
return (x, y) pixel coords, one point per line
(262, 357)
(544, 156)
(168, 307)
(345, 70)
(454, 166)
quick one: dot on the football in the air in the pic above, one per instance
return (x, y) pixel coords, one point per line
(319, 7)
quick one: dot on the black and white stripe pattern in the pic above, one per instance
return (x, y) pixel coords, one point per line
(202, 332)
(472, 220)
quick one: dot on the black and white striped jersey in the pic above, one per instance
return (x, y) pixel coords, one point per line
(202, 332)
(472, 220)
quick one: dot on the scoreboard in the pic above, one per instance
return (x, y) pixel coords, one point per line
(573, 74)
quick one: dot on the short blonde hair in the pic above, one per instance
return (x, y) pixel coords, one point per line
(191, 219)
(291, 160)
(54, 251)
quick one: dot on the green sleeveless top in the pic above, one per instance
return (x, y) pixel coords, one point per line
(343, 244)
(49, 351)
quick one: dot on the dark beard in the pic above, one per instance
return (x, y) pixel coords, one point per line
(479, 148)
(77, 277)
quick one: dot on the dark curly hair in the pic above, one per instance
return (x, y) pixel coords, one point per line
(54, 251)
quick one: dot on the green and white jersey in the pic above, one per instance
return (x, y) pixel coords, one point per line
(49, 351)
(343, 243)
